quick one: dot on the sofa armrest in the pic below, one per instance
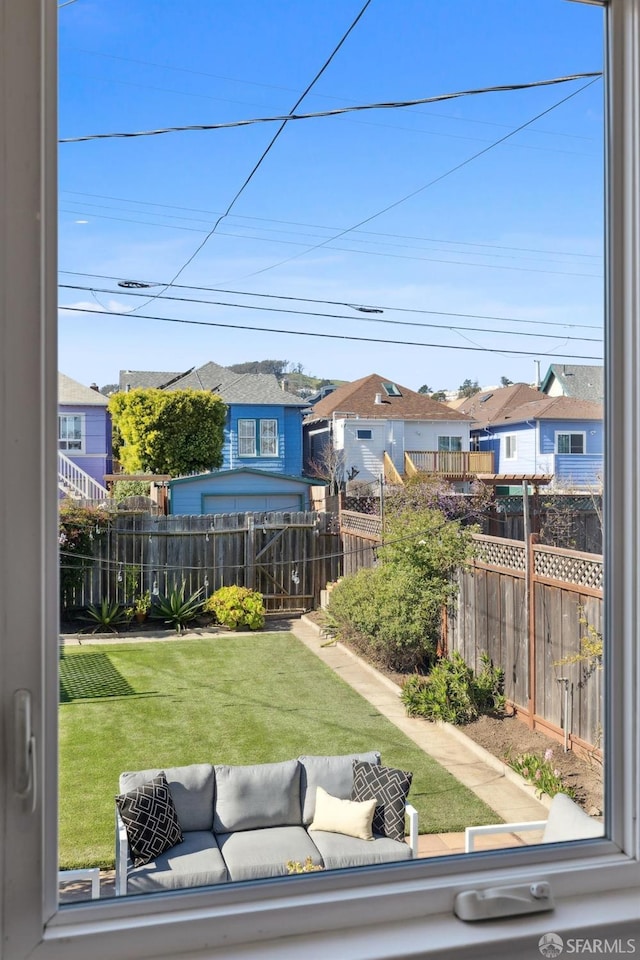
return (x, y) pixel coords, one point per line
(123, 859)
(412, 814)
(471, 833)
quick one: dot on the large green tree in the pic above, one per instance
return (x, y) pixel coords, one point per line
(176, 432)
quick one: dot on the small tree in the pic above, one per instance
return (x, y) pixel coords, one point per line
(439, 395)
(424, 389)
(329, 466)
(468, 388)
(177, 432)
(426, 491)
(505, 382)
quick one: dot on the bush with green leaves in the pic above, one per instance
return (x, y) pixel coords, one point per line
(390, 614)
(452, 693)
(78, 529)
(176, 609)
(121, 489)
(393, 612)
(236, 607)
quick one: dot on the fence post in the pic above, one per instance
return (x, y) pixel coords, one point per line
(530, 609)
(250, 573)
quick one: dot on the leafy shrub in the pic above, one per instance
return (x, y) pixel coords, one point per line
(452, 693)
(540, 772)
(390, 614)
(78, 529)
(177, 609)
(121, 489)
(237, 607)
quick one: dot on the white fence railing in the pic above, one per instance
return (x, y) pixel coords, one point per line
(73, 481)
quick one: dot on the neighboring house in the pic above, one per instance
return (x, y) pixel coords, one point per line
(262, 450)
(542, 436)
(84, 440)
(580, 381)
(374, 427)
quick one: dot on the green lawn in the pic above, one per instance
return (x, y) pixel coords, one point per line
(224, 699)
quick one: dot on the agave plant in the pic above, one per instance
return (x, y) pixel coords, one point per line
(107, 615)
(177, 609)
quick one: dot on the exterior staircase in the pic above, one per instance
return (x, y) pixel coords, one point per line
(73, 482)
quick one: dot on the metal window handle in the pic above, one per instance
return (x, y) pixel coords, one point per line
(24, 749)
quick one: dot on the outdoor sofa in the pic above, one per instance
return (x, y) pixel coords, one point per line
(248, 822)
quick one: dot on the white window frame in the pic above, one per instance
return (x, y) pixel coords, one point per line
(245, 436)
(571, 433)
(268, 440)
(63, 443)
(265, 444)
(511, 440)
(404, 910)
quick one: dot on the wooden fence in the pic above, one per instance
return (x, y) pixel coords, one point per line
(288, 557)
(529, 609)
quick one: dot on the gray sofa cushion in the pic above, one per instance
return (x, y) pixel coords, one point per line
(337, 850)
(253, 854)
(257, 796)
(195, 862)
(192, 790)
(333, 774)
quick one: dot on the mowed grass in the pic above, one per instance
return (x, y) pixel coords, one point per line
(235, 699)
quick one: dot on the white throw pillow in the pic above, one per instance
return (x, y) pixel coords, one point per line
(353, 818)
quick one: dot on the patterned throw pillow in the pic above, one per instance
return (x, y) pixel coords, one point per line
(390, 788)
(150, 819)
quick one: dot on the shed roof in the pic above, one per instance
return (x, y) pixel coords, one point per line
(221, 474)
(552, 408)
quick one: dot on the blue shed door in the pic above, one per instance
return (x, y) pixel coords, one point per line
(252, 503)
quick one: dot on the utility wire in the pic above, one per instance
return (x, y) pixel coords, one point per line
(326, 336)
(353, 250)
(390, 105)
(342, 303)
(320, 226)
(264, 154)
(332, 316)
(426, 186)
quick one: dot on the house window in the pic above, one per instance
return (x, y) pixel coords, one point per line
(450, 443)
(71, 432)
(570, 442)
(247, 438)
(258, 438)
(510, 447)
(268, 438)
(364, 434)
(391, 390)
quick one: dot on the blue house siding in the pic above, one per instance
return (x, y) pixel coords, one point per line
(237, 491)
(95, 456)
(289, 458)
(536, 450)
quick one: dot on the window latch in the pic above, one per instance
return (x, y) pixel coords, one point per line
(24, 749)
(495, 902)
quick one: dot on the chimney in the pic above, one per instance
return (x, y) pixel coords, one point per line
(284, 383)
(378, 399)
(94, 386)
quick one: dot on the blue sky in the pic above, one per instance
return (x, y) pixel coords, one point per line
(514, 234)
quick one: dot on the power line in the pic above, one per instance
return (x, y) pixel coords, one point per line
(325, 336)
(267, 149)
(334, 316)
(229, 233)
(320, 226)
(353, 250)
(426, 186)
(342, 303)
(391, 105)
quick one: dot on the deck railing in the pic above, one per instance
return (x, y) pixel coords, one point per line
(450, 463)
